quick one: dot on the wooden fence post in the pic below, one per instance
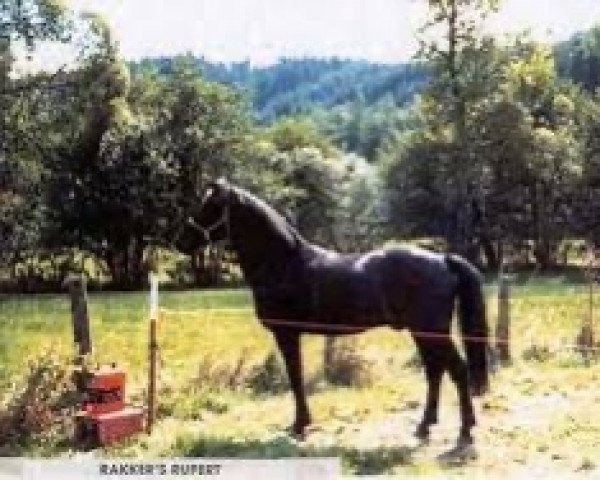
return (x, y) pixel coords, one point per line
(585, 339)
(503, 324)
(79, 315)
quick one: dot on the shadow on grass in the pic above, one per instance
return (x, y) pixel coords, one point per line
(375, 461)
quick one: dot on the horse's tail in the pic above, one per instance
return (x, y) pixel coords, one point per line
(472, 321)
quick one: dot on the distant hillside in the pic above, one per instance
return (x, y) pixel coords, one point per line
(298, 86)
(579, 58)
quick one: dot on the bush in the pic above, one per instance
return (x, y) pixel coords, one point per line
(266, 375)
(215, 375)
(40, 408)
(345, 367)
(537, 353)
(269, 376)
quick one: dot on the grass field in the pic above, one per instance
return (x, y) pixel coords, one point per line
(223, 393)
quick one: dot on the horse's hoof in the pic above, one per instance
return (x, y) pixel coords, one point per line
(297, 431)
(464, 442)
(299, 436)
(422, 433)
(461, 453)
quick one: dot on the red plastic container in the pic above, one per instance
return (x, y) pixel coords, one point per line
(104, 418)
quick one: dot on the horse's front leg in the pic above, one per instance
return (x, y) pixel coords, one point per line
(289, 345)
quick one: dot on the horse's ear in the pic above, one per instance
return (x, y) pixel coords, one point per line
(219, 190)
(218, 184)
(222, 182)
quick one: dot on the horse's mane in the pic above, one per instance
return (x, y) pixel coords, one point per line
(279, 223)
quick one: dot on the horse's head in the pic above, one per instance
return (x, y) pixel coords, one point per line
(207, 222)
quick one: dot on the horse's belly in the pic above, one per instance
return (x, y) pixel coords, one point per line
(338, 302)
(352, 305)
(314, 326)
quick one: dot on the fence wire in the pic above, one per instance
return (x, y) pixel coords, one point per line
(554, 344)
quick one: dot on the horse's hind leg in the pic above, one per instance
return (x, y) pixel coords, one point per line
(289, 345)
(433, 361)
(457, 368)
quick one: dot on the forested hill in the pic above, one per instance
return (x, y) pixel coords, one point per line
(295, 86)
(578, 58)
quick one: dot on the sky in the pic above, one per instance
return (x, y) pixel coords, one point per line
(262, 31)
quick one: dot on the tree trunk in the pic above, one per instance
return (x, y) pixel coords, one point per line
(491, 257)
(217, 265)
(200, 268)
(116, 261)
(136, 268)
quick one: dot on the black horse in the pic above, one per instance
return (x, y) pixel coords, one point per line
(300, 288)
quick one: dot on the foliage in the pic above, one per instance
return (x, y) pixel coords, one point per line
(578, 59)
(100, 164)
(464, 72)
(501, 155)
(333, 201)
(416, 179)
(32, 21)
(259, 376)
(269, 376)
(347, 367)
(142, 154)
(456, 54)
(39, 410)
(358, 104)
(289, 134)
(21, 170)
(296, 86)
(364, 128)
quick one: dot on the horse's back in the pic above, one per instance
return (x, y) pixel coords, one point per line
(414, 281)
(388, 286)
(379, 287)
(416, 266)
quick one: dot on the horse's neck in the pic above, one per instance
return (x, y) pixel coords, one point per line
(264, 250)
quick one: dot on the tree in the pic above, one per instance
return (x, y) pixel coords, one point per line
(458, 22)
(289, 134)
(502, 140)
(361, 209)
(205, 132)
(453, 90)
(32, 21)
(305, 188)
(138, 159)
(578, 59)
(499, 154)
(205, 125)
(132, 191)
(587, 198)
(553, 162)
(417, 169)
(21, 144)
(93, 102)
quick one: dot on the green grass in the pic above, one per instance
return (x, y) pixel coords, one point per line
(119, 324)
(215, 399)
